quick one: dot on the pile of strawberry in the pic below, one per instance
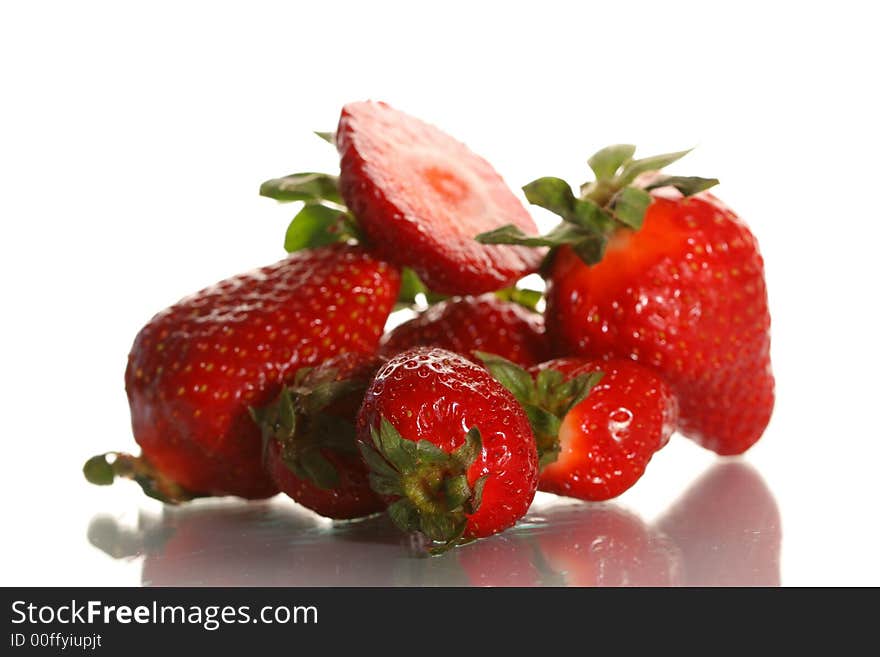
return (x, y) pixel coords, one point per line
(282, 379)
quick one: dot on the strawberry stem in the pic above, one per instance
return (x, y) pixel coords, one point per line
(422, 489)
(103, 469)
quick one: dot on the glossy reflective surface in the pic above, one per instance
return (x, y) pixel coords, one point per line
(724, 530)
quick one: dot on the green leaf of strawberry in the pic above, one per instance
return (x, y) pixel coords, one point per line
(457, 491)
(607, 161)
(546, 399)
(525, 297)
(510, 375)
(315, 225)
(687, 185)
(653, 163)
(318, 469)
(610, 202)
(630, 206)
(552, 194)
(411, 287)
(297, 421)
(308, 186)
(510, 234)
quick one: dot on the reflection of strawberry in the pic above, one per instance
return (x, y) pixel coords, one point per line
(605, 546)
(421, 197)
(220, 545)
(309, 435)
(597, 423)
(728, 528)
(505, 560)
(196, 367)
(680, 288)
(469, 324)
(258, 544)
(448, 445)
(723, 531)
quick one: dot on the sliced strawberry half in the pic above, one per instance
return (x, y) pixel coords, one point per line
(421, 197)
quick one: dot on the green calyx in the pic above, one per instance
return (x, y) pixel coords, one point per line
(546, 399)
(523, 296)
(431, 485)
(297, 420)
(414, 293)
(103, 469)
(614, 200)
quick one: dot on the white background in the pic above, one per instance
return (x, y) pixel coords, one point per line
(134, 135)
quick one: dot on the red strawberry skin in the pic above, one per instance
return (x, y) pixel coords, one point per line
(197, 366)
(686, 296)
(607, 440)
(352, 497)
(421, 197)
(437, 395)
(468, 324)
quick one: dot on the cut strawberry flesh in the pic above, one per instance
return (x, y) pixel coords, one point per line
(421, 197)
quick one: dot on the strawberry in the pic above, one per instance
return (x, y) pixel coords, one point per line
(448, 446)
(309, 438)
(597, 423)
(469, 324)
(661, 272)
(197, 367)
(421, 197)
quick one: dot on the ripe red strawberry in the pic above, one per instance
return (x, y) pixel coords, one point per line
(597, 423)
(680, 288)
(685, 295)
(448, 446)
(469, 324)
(421, 197)
(197, 367)
(309, 438)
